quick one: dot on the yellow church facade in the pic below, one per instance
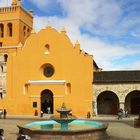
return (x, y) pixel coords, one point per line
(41, 70)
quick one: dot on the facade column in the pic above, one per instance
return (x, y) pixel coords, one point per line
(94, 108)
(122, 105)
(96, 113)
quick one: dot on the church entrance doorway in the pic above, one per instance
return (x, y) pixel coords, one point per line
(47, 101)
(132, 102)
(107, 103)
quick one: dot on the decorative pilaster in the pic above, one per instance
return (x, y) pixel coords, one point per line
(122, 105)
(95, 113)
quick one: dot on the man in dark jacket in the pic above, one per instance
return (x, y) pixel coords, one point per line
(22, 136)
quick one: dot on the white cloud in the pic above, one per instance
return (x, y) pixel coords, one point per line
(5, 3)
(92, 11)
(135, 65)
(136, 33)
(98, 17)
(95, 16)
(102, 17)
(104, 53)
(131, 66)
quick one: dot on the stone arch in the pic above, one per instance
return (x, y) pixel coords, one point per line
(47, 101)
(107, 103)
(132, 102)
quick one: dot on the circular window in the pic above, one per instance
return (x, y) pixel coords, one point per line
(48, 70)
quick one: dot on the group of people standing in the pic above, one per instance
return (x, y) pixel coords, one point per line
(4, 113)
(123, 113)
(46, 107)
(21, 135)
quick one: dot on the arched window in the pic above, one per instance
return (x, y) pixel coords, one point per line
(68, 88)
(1, 68)
(5, 57)
(24, 30)
(9, 29)
(47, 46)
(25, 89)
(28, 31)
(0, 44)
(1, 30)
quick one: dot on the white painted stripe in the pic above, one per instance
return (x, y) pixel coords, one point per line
(9, 47)
(46, 82)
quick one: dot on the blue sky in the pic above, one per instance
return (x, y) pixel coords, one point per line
(107, 29)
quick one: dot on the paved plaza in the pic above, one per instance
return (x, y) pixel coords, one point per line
(117, 129)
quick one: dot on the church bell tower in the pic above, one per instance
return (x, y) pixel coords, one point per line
(15, 24)
(15, 27)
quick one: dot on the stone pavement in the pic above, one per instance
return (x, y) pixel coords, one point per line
(120, 129)
(117, 129)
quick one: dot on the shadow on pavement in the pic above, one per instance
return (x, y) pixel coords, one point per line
(117, 138)
(128, 122)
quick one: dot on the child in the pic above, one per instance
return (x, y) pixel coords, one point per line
(88, 115)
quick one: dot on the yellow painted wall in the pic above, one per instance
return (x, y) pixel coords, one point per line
(19, 18)
(69, 63)
(26, 64)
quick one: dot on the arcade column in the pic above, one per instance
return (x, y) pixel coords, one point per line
(122, 105)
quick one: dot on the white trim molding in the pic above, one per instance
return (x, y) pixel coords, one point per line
(46, 82)
(46, 53)
(9, 47)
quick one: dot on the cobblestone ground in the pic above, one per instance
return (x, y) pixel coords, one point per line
(117, 129)
(123, 131)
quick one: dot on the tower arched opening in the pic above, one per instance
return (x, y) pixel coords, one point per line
(10, 29)
(1, 30)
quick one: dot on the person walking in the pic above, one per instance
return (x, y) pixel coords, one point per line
(4, 113)
(1, 112)
(22, 136)
(49, 110)
(88, 115)
(2, 134)
(41, 113)
(120, 114)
